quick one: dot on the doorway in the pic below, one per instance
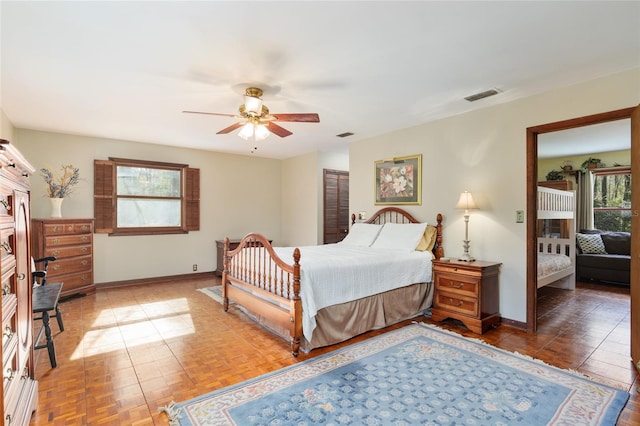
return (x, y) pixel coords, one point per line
(532, 178)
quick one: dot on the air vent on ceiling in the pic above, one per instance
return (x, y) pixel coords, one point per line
(482, 95)
(344, 135)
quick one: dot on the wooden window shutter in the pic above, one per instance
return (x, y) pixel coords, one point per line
(192, 199)
(104, 173)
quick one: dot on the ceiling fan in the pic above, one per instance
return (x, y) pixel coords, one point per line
(256, 119)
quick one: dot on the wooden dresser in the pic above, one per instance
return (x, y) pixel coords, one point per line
(71, 242)
(467, 291)
(19, 390)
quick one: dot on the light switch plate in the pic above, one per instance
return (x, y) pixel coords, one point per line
(519, 216)
(362, 216)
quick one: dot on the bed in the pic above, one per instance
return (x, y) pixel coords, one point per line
(556, 252)
(294, 294)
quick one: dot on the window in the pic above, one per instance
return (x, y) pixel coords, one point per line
(612, 199)
(135, 197)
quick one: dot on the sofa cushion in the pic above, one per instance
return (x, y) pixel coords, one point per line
(591, 243)
(617, 242)
(604, 261)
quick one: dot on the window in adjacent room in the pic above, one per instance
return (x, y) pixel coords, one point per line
(136, 197)
(612, 199)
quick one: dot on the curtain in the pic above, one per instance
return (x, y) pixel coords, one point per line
(584, 202)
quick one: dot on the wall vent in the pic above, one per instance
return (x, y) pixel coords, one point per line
(344, 135)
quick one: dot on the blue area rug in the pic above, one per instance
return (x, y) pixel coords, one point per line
(416, 375)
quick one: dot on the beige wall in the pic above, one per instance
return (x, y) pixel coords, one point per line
(545, 165)
(485, 152)
(7, 131)
(239, 194)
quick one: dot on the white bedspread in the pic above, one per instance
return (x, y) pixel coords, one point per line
(549, 263)
(332, 273)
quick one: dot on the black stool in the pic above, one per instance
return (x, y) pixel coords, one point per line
(45, 299)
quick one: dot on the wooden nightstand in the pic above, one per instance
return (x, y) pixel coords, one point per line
(467, 291)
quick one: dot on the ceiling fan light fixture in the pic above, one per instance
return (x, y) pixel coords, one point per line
(261, 132)
(253, 105)
(246, 132)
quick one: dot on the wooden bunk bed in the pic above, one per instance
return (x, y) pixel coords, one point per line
(274, 293)
(557, 253)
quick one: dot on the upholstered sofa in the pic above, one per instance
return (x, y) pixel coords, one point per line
(603, 256)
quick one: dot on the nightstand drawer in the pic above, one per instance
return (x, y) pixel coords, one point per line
(456, 284)
(454, 303)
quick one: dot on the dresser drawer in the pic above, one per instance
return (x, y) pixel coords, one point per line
(72, 283)
(68, 228)
(457, 284)
(67, 240)
(61, 252)
(68, 266)
(455, 303)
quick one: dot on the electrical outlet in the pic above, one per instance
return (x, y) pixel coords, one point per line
(519, 216)
(195, 267)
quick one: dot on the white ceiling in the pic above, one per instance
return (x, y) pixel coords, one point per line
(126, 70)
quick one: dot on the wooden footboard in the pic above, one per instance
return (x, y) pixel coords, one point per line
(257, 278)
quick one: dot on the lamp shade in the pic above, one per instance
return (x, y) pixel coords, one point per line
(466, 201)
(261, 132)
(246, 132)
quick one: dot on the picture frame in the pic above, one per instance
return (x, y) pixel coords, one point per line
(398, 181)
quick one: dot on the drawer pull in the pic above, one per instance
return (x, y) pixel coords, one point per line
(9, 374)
(56, 267)
(84, 249)
(84, 228)
(451, 302)
(84, 278)
(6, 247)
(70, 228)
(55, 241)
(452, 284)
(5, 204)
(84, 238)
(56, 228)
(55, 253)
(22, 276)
(8, 332)
(84, 262)
(8, 419)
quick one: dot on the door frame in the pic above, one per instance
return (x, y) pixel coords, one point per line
(532, 209)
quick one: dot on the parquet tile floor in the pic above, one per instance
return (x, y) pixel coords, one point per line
(125, 352)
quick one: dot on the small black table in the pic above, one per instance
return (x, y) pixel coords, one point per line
(45, 299)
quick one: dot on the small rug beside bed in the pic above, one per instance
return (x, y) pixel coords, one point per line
(418, 374)
(213, 292)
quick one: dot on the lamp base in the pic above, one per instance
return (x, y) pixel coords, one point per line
(466, 258)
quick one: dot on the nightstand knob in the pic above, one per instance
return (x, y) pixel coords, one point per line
(459, 303)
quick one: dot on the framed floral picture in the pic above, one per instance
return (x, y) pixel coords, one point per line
(398, 180)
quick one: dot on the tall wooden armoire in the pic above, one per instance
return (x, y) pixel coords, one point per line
(20, 390)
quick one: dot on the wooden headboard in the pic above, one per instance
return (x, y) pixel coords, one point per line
(398, 215)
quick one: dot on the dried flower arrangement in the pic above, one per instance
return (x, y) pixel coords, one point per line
(63, 187)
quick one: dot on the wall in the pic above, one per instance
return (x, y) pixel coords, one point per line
(545, 165)
(239, 194)
(484, 151)
(7, 131)
(299, 201)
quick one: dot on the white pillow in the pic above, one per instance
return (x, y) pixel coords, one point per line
(400, 236)
(362, 234)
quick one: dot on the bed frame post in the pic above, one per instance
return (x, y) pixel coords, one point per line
(296, 315)
(439, 250)
(225, 298)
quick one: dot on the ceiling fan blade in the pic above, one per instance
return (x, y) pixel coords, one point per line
(303, 118)
(230, 128)
(277, 130)
(210, 113)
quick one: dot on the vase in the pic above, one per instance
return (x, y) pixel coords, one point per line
(56, 206)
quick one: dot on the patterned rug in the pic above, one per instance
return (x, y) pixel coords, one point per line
(418, 374)
(213, 292)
